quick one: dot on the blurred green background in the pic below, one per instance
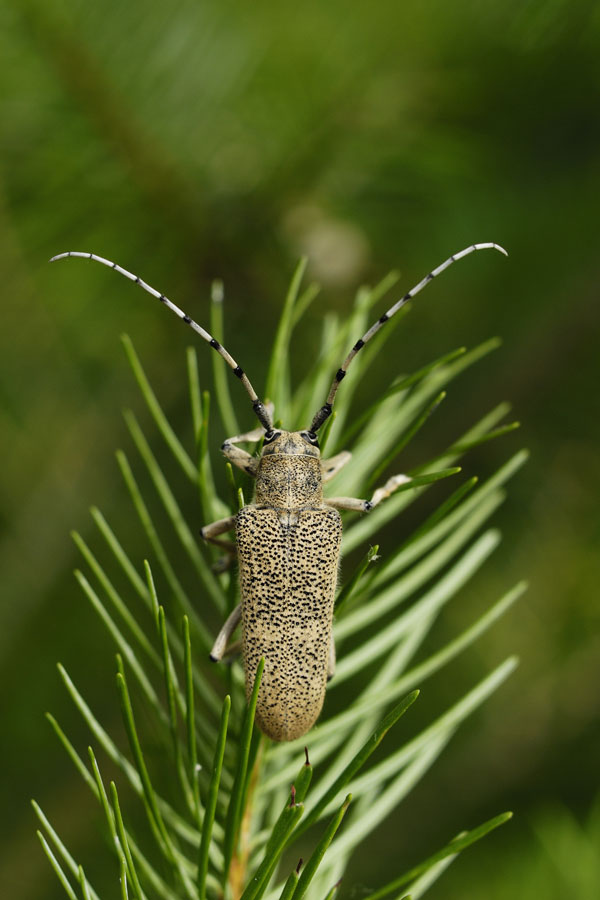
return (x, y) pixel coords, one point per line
(194, 140)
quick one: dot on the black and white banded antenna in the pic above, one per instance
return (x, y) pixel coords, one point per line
(258, 406)
(325, 411)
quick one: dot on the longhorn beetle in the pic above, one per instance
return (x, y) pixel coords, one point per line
(288, 541)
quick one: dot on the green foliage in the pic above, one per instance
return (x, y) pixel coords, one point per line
(228, 812)
(555, 855)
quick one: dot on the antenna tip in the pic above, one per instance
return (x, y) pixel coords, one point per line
(500, 248)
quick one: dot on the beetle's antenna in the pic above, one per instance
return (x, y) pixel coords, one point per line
(325, 411)
(257, 405)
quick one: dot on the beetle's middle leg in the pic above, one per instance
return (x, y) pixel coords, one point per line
(210, 533)
(382, 493)
(221, 526)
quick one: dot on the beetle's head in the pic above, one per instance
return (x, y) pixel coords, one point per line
(290, 443)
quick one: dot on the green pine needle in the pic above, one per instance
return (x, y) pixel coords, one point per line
(235, 811)
(309, 870)
(211, 802)
(451, 849)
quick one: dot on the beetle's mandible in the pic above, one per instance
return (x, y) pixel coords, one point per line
(287, 542)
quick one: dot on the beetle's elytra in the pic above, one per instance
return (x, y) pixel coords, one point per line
(288, 546)
(287, 542)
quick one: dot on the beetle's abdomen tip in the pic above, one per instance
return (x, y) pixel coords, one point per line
(284, 730)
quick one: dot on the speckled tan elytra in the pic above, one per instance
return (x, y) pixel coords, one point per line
(288, 543)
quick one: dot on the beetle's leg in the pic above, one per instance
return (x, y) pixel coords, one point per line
(330, 467)
(230, 546)
(391, 485)
(331, 659)
(348, 503)
(223, 563)
(232, 652)
(239, 457)
(382, 493)
(251, 437)
(231, 623)
(210, 532)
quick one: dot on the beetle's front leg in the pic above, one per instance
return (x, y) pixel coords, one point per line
(238, 457)
(250, 437)
(330, 467)
(382, 493)
(225, 634)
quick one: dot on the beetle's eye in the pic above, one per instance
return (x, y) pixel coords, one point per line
(270, 436)
(310, 437)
